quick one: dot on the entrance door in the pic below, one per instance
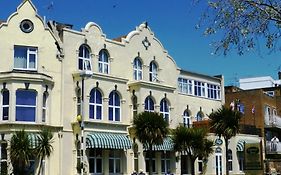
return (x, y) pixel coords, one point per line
(218, 155)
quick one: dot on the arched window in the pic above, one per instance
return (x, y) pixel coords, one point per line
(114, 109)
(137, 69)
(229, 156)
(218, 155)
(26, 105)
(95, 104)
(103, 61)
(164, 109)
(44, 106)
(186, 119)
(5, 104)
(153, 72)
(199, 116)
(149, 104)
(84, 58)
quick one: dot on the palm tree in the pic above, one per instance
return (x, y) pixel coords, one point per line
(44, 147)
(225, 123)
(193, 142)
(150, 129)
(20, 152)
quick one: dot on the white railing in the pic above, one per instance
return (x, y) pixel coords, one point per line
(272, 120)
(272, 148)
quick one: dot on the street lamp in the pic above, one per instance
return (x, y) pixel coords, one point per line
(80, 118)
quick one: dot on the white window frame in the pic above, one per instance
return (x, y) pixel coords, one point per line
(115, 107)
(149, 110)
(163, 112)
(116, 156)
(166, 157)
(86, 62)
(95, 158)
(95, 105)
(186, 119)
(30, 51)
(5, 106)
(137, 65)
(27, 106)
(153, 72)
(102, 63)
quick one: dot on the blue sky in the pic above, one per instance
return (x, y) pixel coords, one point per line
(173, 23)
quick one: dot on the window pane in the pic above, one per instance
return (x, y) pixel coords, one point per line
(111, 166)
(32, 61)
(20, 57)
(98, 112)
(92, 165)
(110, 99)
(25, 113)
(25, 97)
(91, 111)
(99, 165)
(118, 166)
(117, 100)
(110, 115)
(117, 114)
(5, 113)
(98, 97)
(6, 97)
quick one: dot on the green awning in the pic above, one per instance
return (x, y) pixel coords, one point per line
(108, 141)
(34, 139)
(167, 145)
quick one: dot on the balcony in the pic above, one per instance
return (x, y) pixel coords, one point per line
(272, 121)
(272, 148)
(250, 129)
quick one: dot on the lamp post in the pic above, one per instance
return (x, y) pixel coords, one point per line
(84, 74)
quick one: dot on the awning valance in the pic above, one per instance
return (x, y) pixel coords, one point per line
(240, 145)
(167, 145)
(108, 141)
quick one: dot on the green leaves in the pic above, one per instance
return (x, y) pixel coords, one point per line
(225, 122)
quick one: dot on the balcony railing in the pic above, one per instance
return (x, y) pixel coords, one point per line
(272, 121)
(273, 148)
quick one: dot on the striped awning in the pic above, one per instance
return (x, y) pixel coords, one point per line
(108, 141)
(34, 139)
(167, 145)
(240, 145)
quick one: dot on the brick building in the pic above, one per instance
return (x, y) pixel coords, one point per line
(261, 112)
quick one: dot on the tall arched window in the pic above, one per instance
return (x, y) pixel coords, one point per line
(95, 104)
(137, 69)
(153, 72)
(103, 61)
(114, 109)
(199, 116)
(186, 119)
(5, 104)
(149, 104)
(26, 105)
(164, 109)
(84, 58)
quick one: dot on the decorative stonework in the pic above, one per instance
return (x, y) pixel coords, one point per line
(146, 43)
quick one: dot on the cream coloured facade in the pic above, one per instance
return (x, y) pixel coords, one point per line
(53, 74)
